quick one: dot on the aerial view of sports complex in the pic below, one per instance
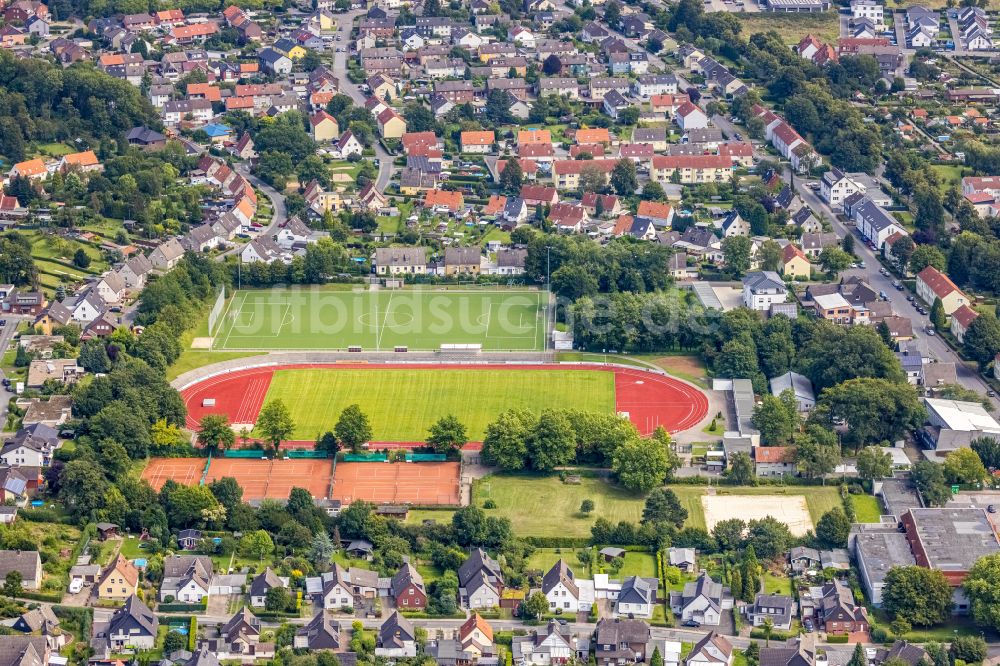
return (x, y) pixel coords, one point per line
(407, 357)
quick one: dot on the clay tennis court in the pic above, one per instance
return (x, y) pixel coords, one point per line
(260, 479)
(650, 399)
(186, 471)
(430, 483)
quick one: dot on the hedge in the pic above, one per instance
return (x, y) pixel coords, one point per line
(839, 638)
(180, 608)
(193, 634)
(422, 615)
(41, 596)
(558, 542)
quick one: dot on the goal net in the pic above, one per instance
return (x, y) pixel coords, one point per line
(216, 313)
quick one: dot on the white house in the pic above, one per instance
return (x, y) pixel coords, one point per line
(560, 588)
(712, 650)
(762, 288)
(637, 597)
(702, 600)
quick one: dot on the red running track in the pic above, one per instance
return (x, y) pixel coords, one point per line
(650, 400)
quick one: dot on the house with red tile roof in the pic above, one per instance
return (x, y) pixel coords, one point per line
(961, 320)
(933, 284)
(452, 201)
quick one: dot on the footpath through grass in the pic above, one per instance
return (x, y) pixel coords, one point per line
(402, 404)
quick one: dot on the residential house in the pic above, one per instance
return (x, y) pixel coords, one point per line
(166, 255)
(462, 261)
(558, 644)
(396, 260)
(25, 562)
(396, 638)
(799, 385)
(702, 600)
(803, 558)
(874, 223)
(132, 627)
(794, 263)
(31, 446)
(637, 597)
(263, 583)
(684, 559)
(480, 581)
(186, 578)
(763, 288)
(837, 611)
(933, 284)
(119, 581)
(961, 319)
(560, 588)
(407, 588)
(779, 608)
(712, 650)
(476, 636)
(774, 461)
(321, 633)
(621, 641)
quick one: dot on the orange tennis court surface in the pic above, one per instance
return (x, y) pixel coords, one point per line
(260, 479)
(186, 471)
(398, 483)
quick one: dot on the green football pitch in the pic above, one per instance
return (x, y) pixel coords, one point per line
(403, 403)
(498, 320)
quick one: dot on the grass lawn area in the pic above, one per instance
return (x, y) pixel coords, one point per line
(638, 564)
(544, 506)
(777, 584)
(55, 149)
(196, 358)
(55, 543)
(950, 174)
(402, 403)
(793, 27)
(543, 559)
(132, 548)
(867, 508)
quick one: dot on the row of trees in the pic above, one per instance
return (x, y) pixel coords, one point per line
(519, 439)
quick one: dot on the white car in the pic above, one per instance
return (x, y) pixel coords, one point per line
(75, 585)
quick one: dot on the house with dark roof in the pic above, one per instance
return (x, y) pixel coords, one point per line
(558, 644)
(186, 578)
(25, 562)
(24, 651)
(637, 597)
(560, 588)
(778, 607)
(712, 650)
(621, 641)
(396, 638)
(322, 633)
(263, 583)
(407, 588)
(480, 581)
(42, 621)
(838, 613)
(32, 446)
(132, 627)
(702, 600)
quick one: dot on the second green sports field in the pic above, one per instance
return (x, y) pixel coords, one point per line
(402, 404)
(382, 320)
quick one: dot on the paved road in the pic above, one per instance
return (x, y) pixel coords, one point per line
(932, 346)
(344, 24)
(6, 334)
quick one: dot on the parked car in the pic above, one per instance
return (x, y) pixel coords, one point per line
(690, 623)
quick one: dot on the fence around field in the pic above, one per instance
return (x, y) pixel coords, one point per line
(366, 457)
(244, 453)
(216, 313)
(306, 453)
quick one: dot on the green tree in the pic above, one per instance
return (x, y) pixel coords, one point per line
(924, 256)
(928, 478)
(81, 259)
(275, 422)
(736, 252)
(657, 658)
(511, 177)
(859, 658)
(875, 410)
(847, 244)
(937, 314)
(551, 442)
(641, 465)
(729, 534)
(920, 595)
(874, 463)
(173, 642)
(353, 428)
(833, 528)
(587, 507)
(534, 606)
(663, 507)
(964, 466)
(741, 469)
(505, 443)
(256, 544)
(277, 599)
(768, 627)
(982, 586)
(970, 649)
(776, 419)
(623, 177)
(215, 433)
(447, 434)
(768, 537)
(12, 584)
(988, 450)
(322, 549)
(769, 255)
(834, 260)
(982, 339)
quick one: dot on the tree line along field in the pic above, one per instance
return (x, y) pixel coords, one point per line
(402, 403)
(544, 506)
